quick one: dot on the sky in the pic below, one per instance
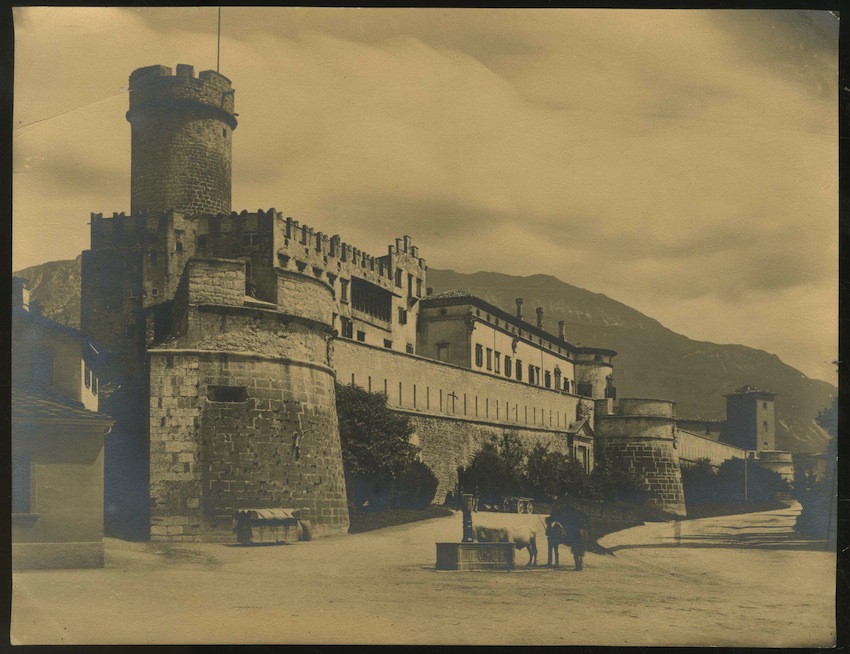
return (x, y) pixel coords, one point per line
(683, 162)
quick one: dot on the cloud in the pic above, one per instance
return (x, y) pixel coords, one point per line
(685, 156)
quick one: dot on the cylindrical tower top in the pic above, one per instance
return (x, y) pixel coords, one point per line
(182, 129)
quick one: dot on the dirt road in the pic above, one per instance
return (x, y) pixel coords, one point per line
(743, 580)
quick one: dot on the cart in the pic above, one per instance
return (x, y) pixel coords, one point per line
(517, 505)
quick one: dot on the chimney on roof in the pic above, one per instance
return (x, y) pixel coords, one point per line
(519, 301)
(539, 317)
(562, 330)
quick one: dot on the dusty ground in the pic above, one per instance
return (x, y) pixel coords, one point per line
(743, 580)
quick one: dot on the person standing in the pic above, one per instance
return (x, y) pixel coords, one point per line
(555, 535)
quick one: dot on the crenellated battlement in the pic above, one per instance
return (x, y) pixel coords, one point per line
(156, 88)
(318, 244)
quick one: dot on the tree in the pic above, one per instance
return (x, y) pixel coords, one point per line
(377, 456)
(762, 485)
(496, 470)
(552, 474)
(818, 498)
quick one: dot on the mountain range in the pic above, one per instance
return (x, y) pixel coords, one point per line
(652, 361)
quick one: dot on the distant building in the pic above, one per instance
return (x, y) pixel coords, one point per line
(57, 443)
(750, 427)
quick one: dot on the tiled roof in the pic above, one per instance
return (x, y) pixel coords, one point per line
(28, 406)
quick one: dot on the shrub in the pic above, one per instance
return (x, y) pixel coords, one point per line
(615, 483)
(762, 484)
(699, 482)
(414, 486)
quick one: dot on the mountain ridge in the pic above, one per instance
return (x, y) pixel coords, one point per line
(652, 361)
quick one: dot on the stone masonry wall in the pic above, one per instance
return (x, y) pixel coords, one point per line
(693, 447)
(447, 443)
(278, 446)
(644, 445)
(243, 411)
(182, 130)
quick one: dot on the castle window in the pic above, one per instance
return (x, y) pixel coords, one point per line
(398, 275)
(409, 348)
(531, 379)
(442, 351)
(585, 389)
(402, 316)
(489, 359)
(361, 336)
(87, 375)
(153, 257)
(154, 292)
(409, 284)
(343, 290)
(508, 369)
(347, 328)
(497, 362)
(764, 405)
(548, 377)
(388, 343)
(372, 299)
(202, 242)
(227, 393)
(224, 132)
(479, 355)
(518, 370)
(764, 425)
(418, 288)
(178, 246)
(21, 484)
(249, 239)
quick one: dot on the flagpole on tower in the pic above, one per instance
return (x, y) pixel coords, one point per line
(218, 44)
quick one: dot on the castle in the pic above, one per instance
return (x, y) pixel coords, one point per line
(228, 330)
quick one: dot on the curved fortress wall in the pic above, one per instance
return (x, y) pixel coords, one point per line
(182, 131)
(243, 411)
(641, 437)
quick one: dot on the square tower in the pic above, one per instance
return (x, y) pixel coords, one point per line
(750, 419)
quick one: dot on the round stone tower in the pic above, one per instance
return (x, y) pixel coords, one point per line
(182, 129)
(641, 437)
